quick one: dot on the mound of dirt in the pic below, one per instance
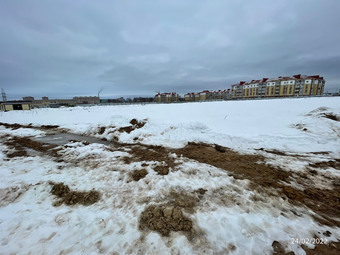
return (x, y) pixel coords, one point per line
(60, 190)
(69, 197)
(135, 124)
(101, 130)
(127, 129)
(139, 174)
(165, 219)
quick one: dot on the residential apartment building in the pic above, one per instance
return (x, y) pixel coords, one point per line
(166, 97)
(297, 85)
(208, 95)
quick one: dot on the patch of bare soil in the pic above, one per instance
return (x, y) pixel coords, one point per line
(152, 153)
(325, 203)
(135, 124)
(139, 174)
(330, 116)
(161, 170)
(101, 130)
(326, 164)
(49, 127)
(69, 197)
(164, 219)
(279, 250)
(10, 194)
(15, 125)
(19, 143)
(241, 166)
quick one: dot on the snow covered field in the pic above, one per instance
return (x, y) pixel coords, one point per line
(229, 214)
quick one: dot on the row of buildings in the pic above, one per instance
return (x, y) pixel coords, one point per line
(46, 102)
(292, 86)
(30, 102)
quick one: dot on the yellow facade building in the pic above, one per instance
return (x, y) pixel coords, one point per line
(15, 106)
(297, 85)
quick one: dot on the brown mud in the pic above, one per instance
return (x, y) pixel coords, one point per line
(164, 219)
(20, 143)
(264, 178)
(15, 126)
(331, 116)
(326, 164)
(69, 197)
(139, 174)
(152, 153)
(135, 124)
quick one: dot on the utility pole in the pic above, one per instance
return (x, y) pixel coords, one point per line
(4, 98)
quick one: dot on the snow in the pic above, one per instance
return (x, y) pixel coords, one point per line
(228, 220)
(236, 124)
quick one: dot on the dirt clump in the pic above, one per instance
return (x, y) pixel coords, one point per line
(164, 219)
(49, 127)
(135, 124)
(201, 191)
(127, 129)
(69, 197)
(101, 130)
(60, 189)
(326, 164)
(139, 174)
(279, 250)
(161, 170)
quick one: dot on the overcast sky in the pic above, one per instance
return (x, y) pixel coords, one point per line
(67, 48)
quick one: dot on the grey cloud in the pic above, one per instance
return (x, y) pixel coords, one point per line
(63, 48)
